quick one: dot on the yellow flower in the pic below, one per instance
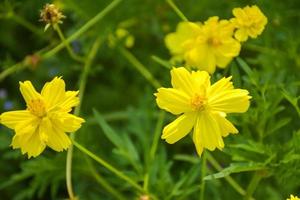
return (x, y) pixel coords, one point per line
(292, 197)
(249, 21)
(176, 41)
(213, 46)
(204, 46)
(46, 119)
(201, 106)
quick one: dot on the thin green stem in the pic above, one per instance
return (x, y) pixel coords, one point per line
(203, 173)
(140, 67)
(253, 185)
(109, 167)
(12, 69)
(162, 62)
(230, 180)
(66, 43)
(84, 28)
(157, 133)
(82, 87)
(102, 181)
(177, 10)
(154, 145)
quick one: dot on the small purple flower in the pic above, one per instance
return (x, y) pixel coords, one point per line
(8, 105)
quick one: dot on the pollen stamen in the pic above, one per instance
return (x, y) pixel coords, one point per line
(198, 102)
(37, 107)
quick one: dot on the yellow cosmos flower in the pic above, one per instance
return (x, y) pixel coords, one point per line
(201, 106)
(214, 46)
(292, 197)
(249, 21)
(46, 119)
(185, 32)
(204, 46)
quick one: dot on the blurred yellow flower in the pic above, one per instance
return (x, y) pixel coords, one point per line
(201, 106)
(45, 120)
(176, 41)
(204, 46)
(292, 197)
(214, 46)
(249, 21)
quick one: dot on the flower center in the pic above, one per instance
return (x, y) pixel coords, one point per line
(213, 41)
(198, 102)
(37, 107)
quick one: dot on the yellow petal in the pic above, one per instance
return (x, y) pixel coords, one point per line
(241, 35)
(179, 128)
(230, 101)
(54, 92)
(173, 100)
(56, 138)
(70, 100)
(181, 79)
(28, 92)
(67, 122)
(226, 126)
(185, 31)
(207, 133)
(201, 81)
(29, 143)
(12, 118)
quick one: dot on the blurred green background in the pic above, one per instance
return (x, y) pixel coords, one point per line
(268, 145)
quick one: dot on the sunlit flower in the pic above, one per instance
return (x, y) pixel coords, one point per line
(204, 46)
(292, 197)
(249, 21)
(200, 106)
(46, 119)
(176, 41)
(214, 46)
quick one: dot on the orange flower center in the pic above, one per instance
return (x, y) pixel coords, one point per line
(213, 41)
(198, 102)
(37, 107)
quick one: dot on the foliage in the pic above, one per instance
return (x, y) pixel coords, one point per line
(122, 119)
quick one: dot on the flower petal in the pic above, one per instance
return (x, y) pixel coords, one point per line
(12, 118)
(54, 92)
(230, 101)
(67, 122)
(179, 128)
(207, 133)
(70, 100)
(173, 100)
(56, 138)
(225, 125)
(28, 91)
(29, 143)
(181, 79)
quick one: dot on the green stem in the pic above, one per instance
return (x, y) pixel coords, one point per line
(66, 43)
(253, 185)
(82, 87)
(109, 167)
(203, 173)
(154, 145)
(84, 28)
(140, 67)
(229, 179)
(103, 182)
(177, 10)
(12, 69)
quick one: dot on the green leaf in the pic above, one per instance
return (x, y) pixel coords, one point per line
(108, 131)
(236, 168)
